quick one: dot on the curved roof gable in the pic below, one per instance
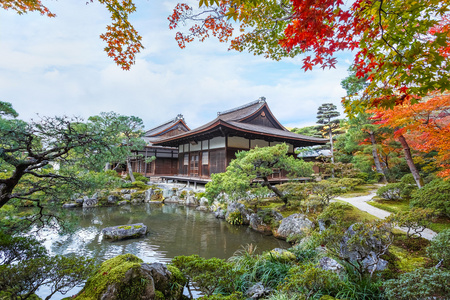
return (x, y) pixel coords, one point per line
(167, 126)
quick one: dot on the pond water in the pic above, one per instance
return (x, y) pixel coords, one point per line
(173, 230)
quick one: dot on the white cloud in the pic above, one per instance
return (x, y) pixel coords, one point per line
(57, 66)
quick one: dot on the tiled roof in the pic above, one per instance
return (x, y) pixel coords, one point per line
(233, 117)
(164, 126)
(275, 132)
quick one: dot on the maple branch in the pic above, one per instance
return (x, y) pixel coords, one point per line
(380, 10)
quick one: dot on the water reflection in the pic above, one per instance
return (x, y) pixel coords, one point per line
(173, 230)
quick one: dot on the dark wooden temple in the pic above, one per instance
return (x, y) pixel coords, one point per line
(209, 148)
(166, 162)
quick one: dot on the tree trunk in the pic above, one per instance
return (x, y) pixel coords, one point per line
(107, 166)
(376, 158)
(409, 160)
(130, 170)
(332, 151)
(275, 190)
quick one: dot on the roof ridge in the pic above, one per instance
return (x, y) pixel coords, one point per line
(178, 117)
(260, 100)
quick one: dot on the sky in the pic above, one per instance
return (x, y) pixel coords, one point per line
(57, 66)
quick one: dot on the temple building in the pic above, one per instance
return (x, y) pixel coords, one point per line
(209, 148)
(166, 162)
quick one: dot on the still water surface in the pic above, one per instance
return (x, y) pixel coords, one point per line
(173, 230)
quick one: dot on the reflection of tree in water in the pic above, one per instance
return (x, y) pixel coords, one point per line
(173, 230)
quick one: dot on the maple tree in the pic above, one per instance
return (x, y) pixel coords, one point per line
(424, 126)
(401, 46)
(122, 39)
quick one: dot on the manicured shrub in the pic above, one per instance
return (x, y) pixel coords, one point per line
(440, 248)
(419, 284)
(140, 185)
(435, 194)
(363, 176)
(138, 177)
(350, 183)
(391, 191)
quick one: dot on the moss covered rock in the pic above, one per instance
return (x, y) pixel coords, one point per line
(127, 277)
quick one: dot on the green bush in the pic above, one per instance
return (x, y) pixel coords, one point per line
(235, 218)
(415, 220)
(294, 191)
(350, 183)
(419, 284)
(140, 185)
(391, 191)
(363, 176)
(440, 248)
(435, 194)
(137, 177)
(408, 179)
(126, 185)
(311, 280)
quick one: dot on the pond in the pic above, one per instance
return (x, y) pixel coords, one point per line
(173, 230)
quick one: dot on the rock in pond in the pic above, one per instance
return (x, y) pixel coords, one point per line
(70, 205)
(125, 231)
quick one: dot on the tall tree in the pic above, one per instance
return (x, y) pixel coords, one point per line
(327, 116)
(354, 85)
(426, 125)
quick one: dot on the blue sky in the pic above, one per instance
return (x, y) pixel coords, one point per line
(57, 66)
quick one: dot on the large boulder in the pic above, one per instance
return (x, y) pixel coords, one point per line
(112, 199)
(220, 213)
(125, 231)
(295, 225)
(366, 249)
(237, 210)
(263, 221)
(137, 197)
(90, 202)
(127, 277)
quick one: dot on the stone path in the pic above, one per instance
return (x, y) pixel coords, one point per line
(361, 203)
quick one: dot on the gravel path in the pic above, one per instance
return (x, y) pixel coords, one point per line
(360, 203)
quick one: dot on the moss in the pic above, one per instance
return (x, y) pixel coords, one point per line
(124, 227)
(177, 276)
(159, 295)
(110, 271)
(407, 261)
(137, 226)
(139, 195)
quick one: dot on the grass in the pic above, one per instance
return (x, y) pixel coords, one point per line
(440, 224)
(360, 190)
(389, 205)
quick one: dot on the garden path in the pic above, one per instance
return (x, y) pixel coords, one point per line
(360, 202)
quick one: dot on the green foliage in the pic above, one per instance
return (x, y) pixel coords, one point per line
(138, 177)
(311, 280)
(325, 190)
(234, 296)
(294, 191)
(419, 284)
(415, 220)
(440, 248)
(25, 266)
(210, 275)
(334, 213)
(433, 195)
(349, 183)
(235, 218)
(255, 165)
(139, 185)
(391, 191)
